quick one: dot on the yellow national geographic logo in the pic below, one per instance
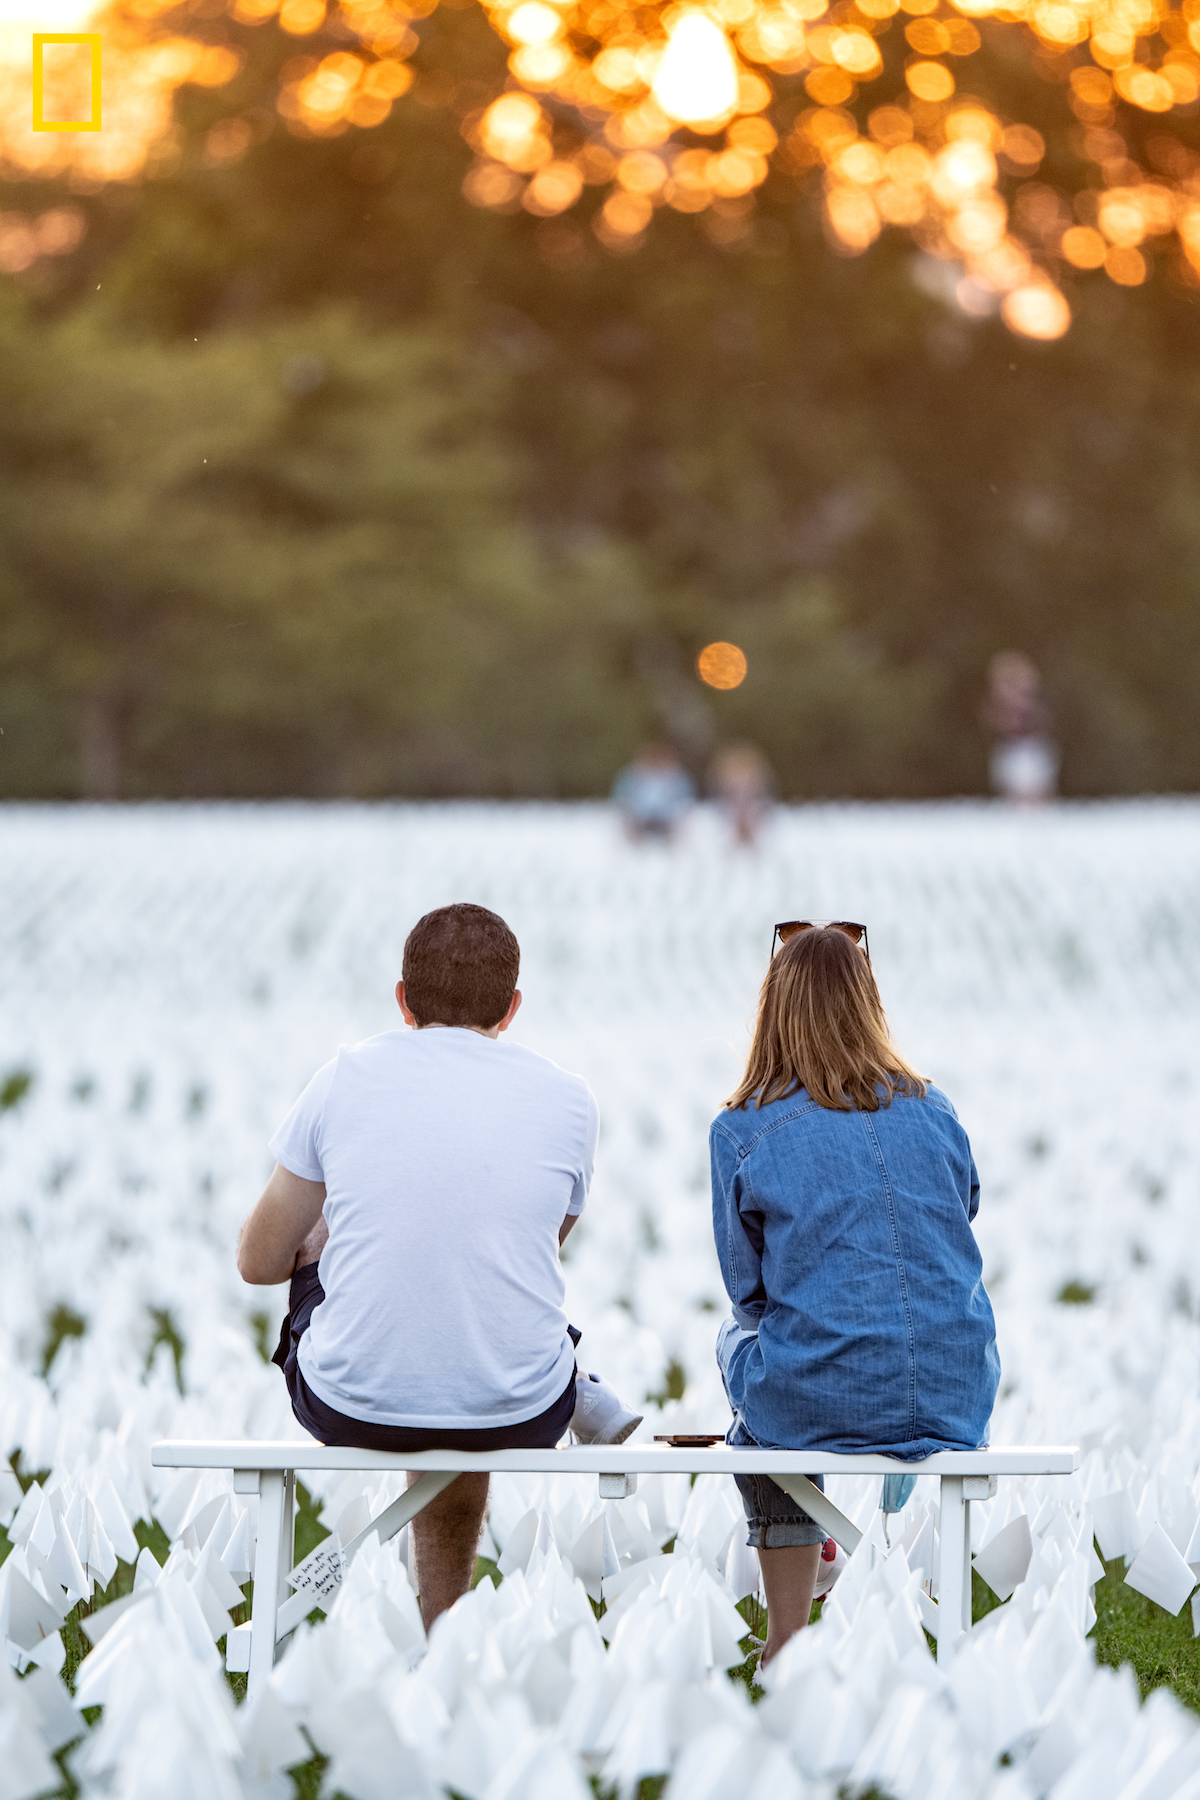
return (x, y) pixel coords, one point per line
(40, 39)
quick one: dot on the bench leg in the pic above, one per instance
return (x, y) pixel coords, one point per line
(406, 1506)
(287, 1550)
(954, 1586)
(829, 1517)
(272, 1508)
(287, 1545)
(428, 1485)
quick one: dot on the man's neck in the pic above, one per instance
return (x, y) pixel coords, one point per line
(487, 1031)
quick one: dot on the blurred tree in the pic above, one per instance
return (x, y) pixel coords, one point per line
(281, 561)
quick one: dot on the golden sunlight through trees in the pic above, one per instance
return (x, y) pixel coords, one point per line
(140, 73)
(696, 82)
(666, 106)
(1036, 310)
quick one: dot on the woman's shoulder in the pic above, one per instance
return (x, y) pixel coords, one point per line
(928, 1115)
(933, 1096)
(745, 1125)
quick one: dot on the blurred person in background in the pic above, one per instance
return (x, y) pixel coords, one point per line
(843, 1192)
(1024, 759)
(653, 793)
(740, 781)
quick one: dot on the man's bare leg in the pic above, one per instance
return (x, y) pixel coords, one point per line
(789, 1577)
(446, 1535)
(310, 1250)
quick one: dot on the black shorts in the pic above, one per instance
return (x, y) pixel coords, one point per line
(330, 1427)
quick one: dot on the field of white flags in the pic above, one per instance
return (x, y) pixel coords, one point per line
(172, 976)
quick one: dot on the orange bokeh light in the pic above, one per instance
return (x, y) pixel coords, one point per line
(597, 94)
(722, 666)
(1037, 310)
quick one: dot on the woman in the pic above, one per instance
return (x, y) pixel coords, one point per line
(843, 1190)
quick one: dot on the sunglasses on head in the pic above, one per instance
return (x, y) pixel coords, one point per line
(789, 928)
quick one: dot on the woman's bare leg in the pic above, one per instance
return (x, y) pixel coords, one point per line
(789, 1577)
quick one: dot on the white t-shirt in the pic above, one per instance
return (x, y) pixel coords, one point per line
(450, 1161)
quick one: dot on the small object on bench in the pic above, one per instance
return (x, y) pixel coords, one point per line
(692, 1440)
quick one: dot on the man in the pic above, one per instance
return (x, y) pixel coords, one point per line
(424, 1182)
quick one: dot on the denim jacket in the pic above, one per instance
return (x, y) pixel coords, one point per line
(846, 1247)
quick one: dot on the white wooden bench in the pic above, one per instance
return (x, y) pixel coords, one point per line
(269, 1470)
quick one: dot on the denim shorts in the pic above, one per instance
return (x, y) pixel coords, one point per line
(330, 1427)
(776, 1522)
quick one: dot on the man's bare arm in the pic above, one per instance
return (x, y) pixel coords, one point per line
(565, 1229)
(287, 1210)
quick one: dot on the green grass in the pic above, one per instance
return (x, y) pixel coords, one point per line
(260, 1327)
(1130, 1629)
(166, 1332)
(1075, 1293)
(650, 1787)
(674, 1383)
(309, 1530)
(307, 1776)
(63, 1322)
(755, 1615)
(151, 1537)
(983, 1601)
(484, 1566)
(14, 1085)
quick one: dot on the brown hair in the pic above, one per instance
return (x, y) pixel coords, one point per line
(821, 1027)
(460, 967)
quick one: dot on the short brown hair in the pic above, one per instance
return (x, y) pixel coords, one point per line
(460, 967)
(821, 1027)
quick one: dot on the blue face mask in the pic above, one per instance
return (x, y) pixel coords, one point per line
(897, 1490)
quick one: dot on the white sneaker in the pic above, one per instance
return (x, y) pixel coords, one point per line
(600, 1416)
(833, 1561)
